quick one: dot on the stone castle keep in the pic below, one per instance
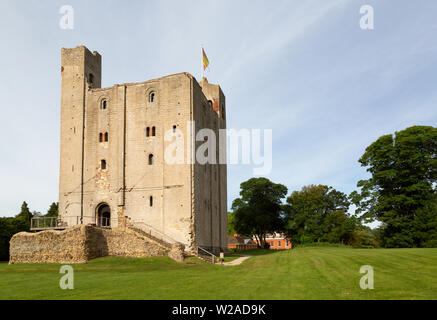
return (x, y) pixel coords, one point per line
(113, 176)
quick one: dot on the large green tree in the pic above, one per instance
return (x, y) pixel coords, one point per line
(11, 226)
(258, 211)
(231, 224)
(7, 230)
(25, 216)
(53, 210)
(401, 191)
(319, 213)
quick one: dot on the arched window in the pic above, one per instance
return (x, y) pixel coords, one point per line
(151, 201)
(153, 131)
(210, 103)
(91, 78)
(106, 137)
(150, 159)
(103, 164)
(103, 104)
(174, 128)
(148, 132)
(152, 96)
(100, 137)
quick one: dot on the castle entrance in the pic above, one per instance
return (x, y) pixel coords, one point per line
(103, 215)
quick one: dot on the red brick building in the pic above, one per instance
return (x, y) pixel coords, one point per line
(278, 241)
(241, 243)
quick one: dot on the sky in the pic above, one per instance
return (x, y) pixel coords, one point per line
(304, 69)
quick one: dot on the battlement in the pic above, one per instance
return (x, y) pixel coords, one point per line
(89, 65)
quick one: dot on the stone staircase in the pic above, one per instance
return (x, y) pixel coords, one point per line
(175, 249)
(162, 239)
(206, 256)
(148, 235)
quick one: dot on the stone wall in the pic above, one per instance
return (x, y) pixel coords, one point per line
(124, 243)
(81, 243)
(210, 184)
(64, 247)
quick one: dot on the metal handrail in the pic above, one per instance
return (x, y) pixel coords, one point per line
(205, 252)
(103, 222)
(153, 232)
(63, 222)
(45, 223)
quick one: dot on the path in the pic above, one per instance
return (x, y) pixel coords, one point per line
(236, 262)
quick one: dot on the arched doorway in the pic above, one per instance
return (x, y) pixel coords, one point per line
(103, 215)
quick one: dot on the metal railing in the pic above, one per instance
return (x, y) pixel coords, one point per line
(206, 255)
(103, 222)
(45, 223)
(153, 232)
(60, 223)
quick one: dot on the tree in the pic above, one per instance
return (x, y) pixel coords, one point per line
(401, 192)
(11, 226)
(53, 210)
(365, 237)
(25, 216)
(231, 224)
(426, 224)
(339, 227)
(6, 232)
(258, 211)
(318, 213)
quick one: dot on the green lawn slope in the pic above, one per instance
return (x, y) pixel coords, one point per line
(302, 273)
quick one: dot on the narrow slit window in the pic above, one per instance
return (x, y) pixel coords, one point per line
(100, 137)
(153, 131)
(104, 105)
(106, 137)
(150, 159)
(174, 128)
(152, 97)
(151, 201)
(103, 164)
(148, 132)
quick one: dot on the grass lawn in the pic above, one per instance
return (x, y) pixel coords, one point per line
(303, 273)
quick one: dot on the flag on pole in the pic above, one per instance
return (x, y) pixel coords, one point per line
(205, 60)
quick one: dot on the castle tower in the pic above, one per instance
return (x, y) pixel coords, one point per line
(80, 70)
(113, 147)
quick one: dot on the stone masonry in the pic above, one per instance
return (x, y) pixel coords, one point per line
(112, 164)
(82, 243)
